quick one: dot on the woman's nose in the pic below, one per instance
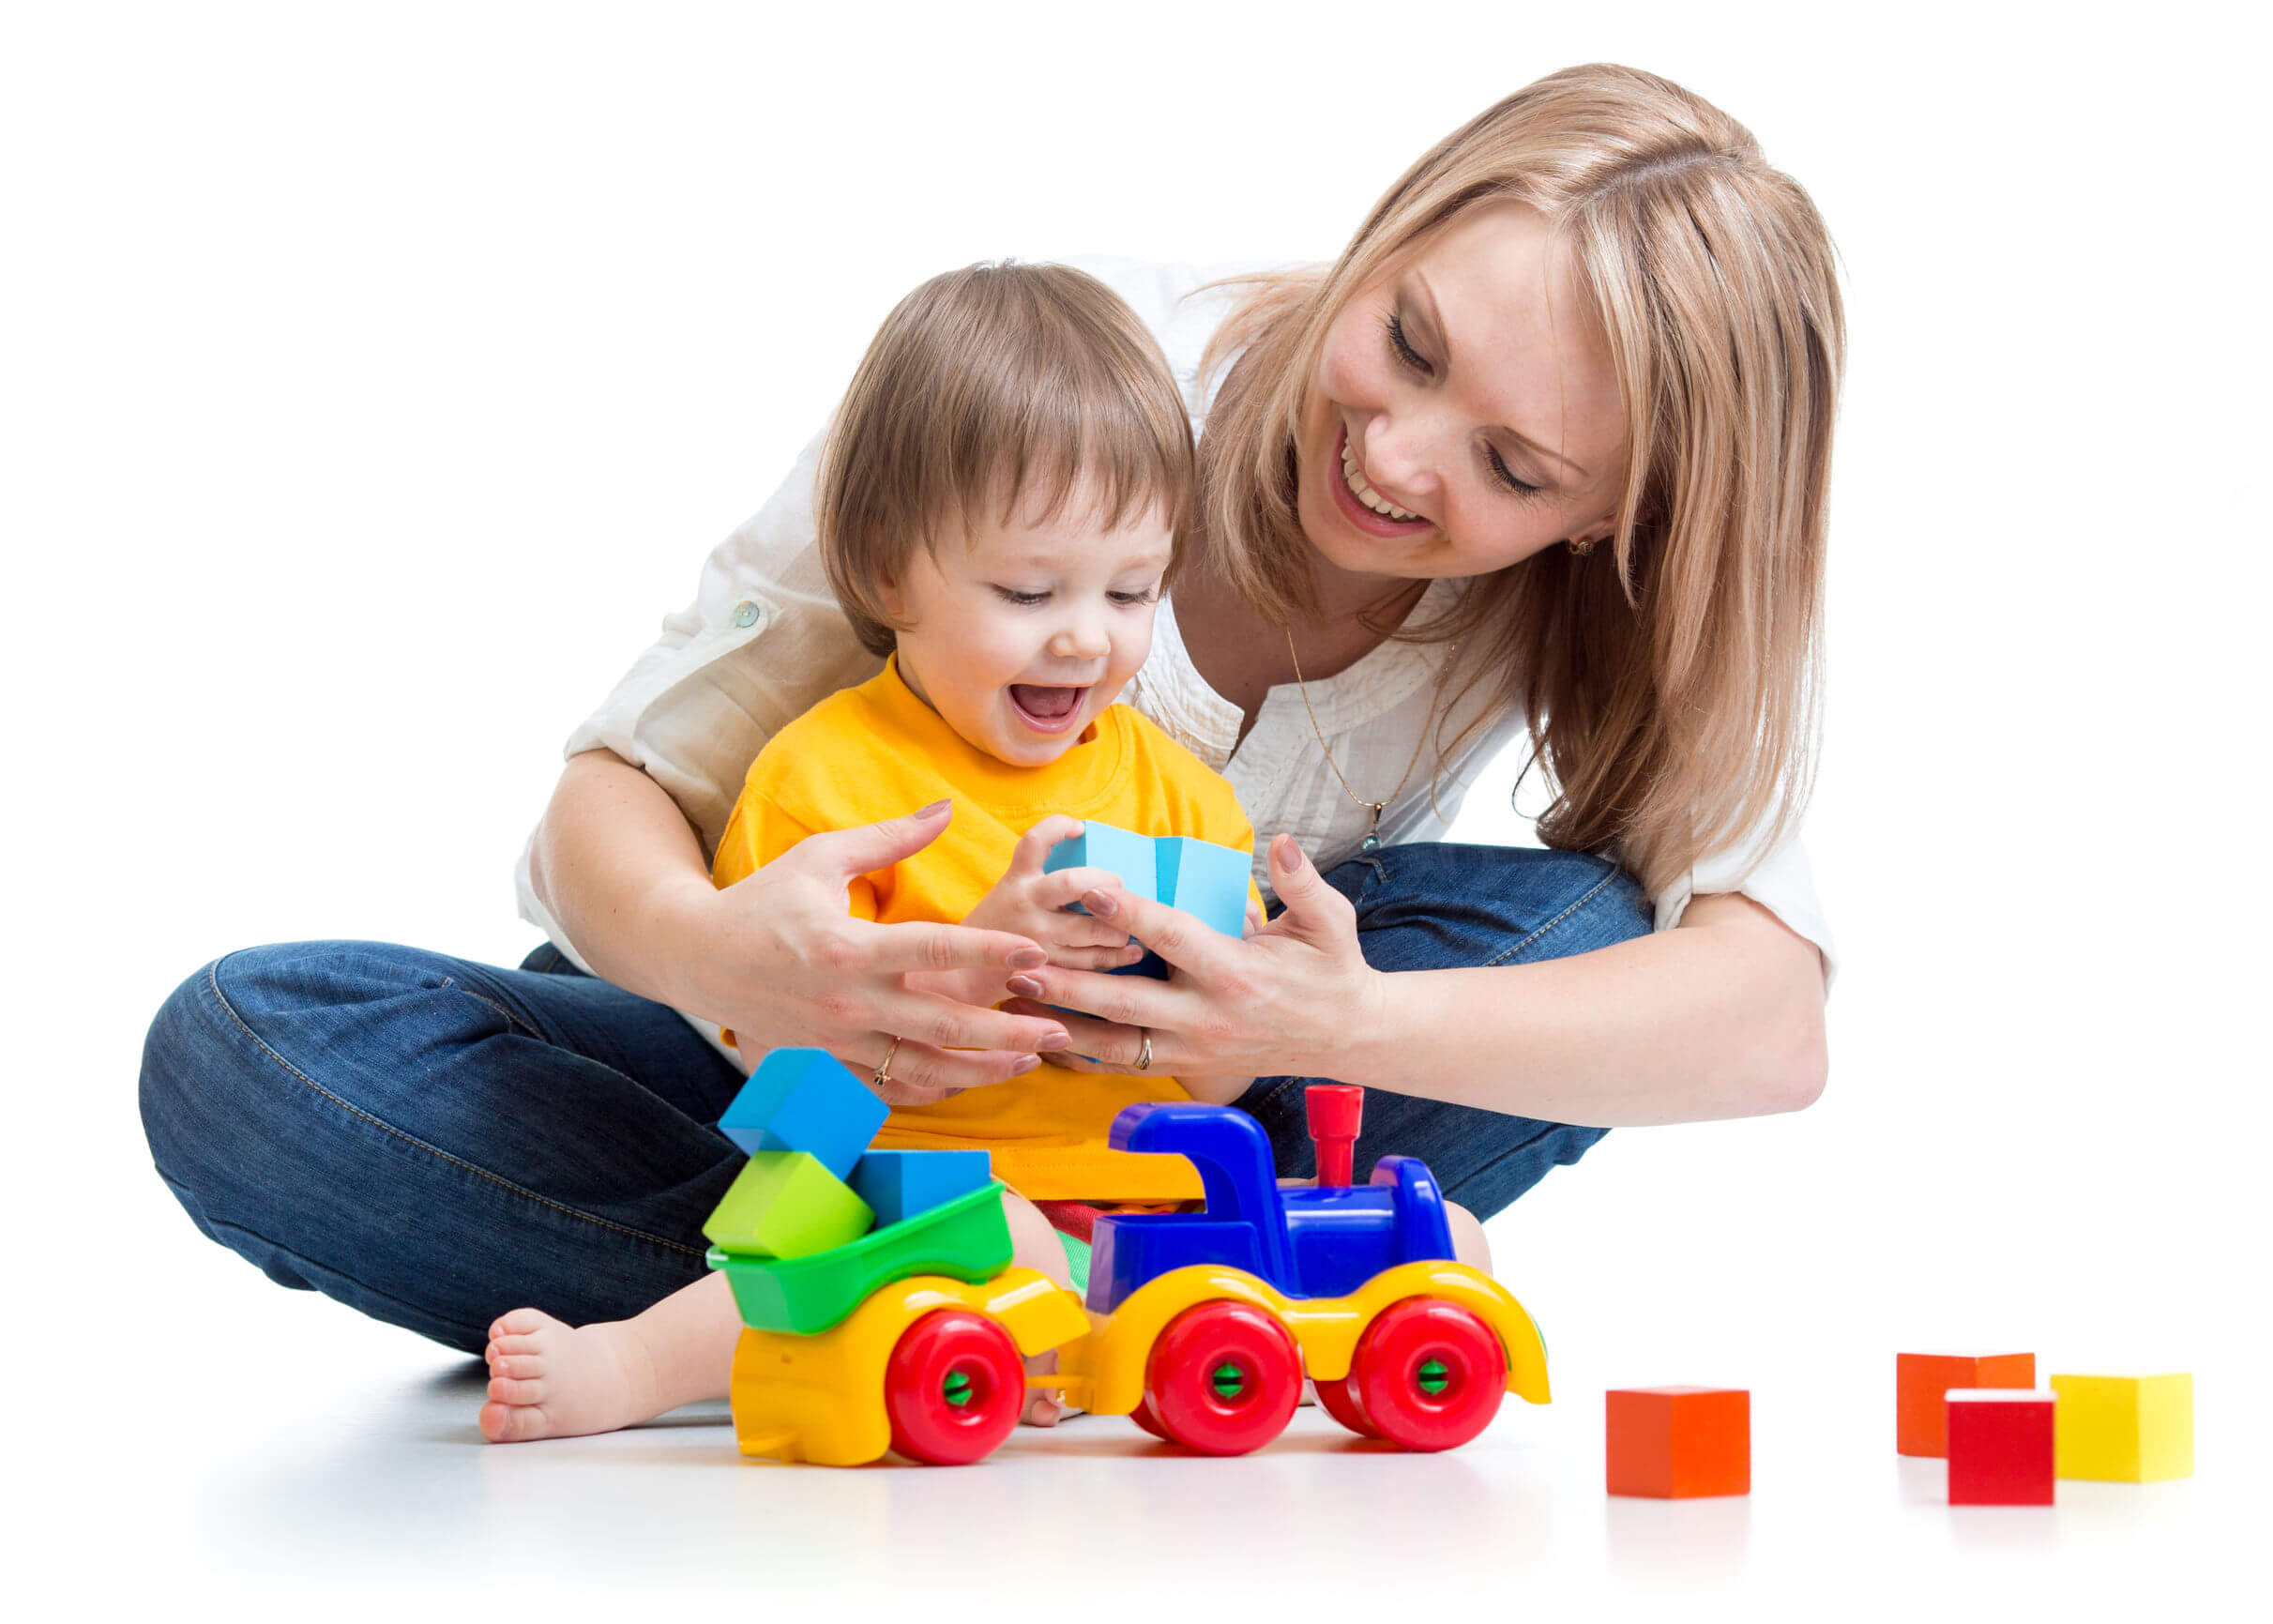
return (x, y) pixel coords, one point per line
(1395, 455)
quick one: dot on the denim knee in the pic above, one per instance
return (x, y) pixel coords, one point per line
(210, 1091)
(1437, 905)
(1434, 905)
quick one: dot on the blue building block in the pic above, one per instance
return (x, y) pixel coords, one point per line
(1204, 879)
(805, 1099)
(1307, 1242)
(900, 1184)
(1116, 851)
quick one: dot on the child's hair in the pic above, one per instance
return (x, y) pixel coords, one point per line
(999, 384)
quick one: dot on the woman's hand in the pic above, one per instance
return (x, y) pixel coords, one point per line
(775, 958)
(1287, 999)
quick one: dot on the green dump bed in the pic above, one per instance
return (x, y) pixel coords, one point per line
(967, 1239)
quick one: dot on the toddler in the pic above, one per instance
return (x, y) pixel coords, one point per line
(1001, 501)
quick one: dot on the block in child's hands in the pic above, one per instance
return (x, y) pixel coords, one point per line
(1922, 1382)
(1114, 850)
(1206, 881)
(786, 1204)
(2000, 1446)
(1679, 1443)
(2126, 1429)
(902, 1184)
(1202, 878)
(805, 1099)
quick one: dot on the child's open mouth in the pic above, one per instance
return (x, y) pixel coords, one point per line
(1046, 709)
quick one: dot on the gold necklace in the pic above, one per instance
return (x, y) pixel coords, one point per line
(1372, 833)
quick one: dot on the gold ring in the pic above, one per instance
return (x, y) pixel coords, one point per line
(1144, 1054)
(884, 1072)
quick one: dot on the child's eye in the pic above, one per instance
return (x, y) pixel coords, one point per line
(1132, 600)
(1023, 599)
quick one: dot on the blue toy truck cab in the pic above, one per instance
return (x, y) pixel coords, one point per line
(1307, 1242)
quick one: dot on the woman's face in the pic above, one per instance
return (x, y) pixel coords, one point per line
(1463, 413)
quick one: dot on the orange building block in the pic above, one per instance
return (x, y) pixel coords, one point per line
(1922, 1382)
(1679, 1443)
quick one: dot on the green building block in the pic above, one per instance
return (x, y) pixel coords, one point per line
(967, 1239)
(786, 1204)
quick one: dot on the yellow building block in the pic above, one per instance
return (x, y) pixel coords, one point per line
(2124, 1429)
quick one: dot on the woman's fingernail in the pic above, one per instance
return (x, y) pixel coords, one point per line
(935, 808)
(1056, 1040)
(1025, 1064)
(1028, 959)
(1099, 903)
(1025, 986)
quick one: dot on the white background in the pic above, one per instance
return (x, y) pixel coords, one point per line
(374, 378)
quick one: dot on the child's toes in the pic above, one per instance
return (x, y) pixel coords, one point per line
(509, 1346)
(516, 1390)
(503, 1423)
(523, 1365)
(520, 1322)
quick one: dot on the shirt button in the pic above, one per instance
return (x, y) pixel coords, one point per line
(744, 614)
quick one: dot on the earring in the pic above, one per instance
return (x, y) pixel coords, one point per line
(1579, 549)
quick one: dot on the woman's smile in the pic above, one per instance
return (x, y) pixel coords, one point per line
(1365, 506)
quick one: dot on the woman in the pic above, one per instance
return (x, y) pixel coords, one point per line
(1547, 447)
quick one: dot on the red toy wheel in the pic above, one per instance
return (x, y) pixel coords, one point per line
(1429, 1374)
(953, 1387)
(1143, 1418)
(1339, 1399)
(1224, 1379)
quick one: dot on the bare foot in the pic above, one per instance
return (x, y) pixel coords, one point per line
(1044, 1408)
(550, 1380)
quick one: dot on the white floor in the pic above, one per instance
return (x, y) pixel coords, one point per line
(226, 1440)
(2055, 1151)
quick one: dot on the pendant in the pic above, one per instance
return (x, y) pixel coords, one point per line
(1371, 843)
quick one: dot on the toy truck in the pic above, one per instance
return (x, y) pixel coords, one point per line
(1212, 1318)
(913, 1338)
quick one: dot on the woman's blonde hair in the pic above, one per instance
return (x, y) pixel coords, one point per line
(986, 386)
(1671, 687)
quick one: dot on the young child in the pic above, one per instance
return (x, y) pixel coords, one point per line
(1001, 502)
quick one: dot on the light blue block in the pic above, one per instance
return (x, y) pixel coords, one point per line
(900, 1184)
(1206, 880)
(1114, 850)
(805, 1099)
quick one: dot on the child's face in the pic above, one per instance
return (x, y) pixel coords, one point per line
(1020, 633)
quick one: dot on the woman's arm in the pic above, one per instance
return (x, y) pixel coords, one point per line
(776, 956)
(1720, 1017)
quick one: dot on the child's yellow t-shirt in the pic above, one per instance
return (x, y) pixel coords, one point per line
(876, 752)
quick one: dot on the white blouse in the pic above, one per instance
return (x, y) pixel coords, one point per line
(764, 641)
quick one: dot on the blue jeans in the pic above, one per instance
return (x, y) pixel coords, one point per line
(433, 1141)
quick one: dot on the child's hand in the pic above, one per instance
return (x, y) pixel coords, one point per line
(1028, 903)
(1216, 1090)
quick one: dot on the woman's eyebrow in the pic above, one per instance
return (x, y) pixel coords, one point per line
(1443, 337)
